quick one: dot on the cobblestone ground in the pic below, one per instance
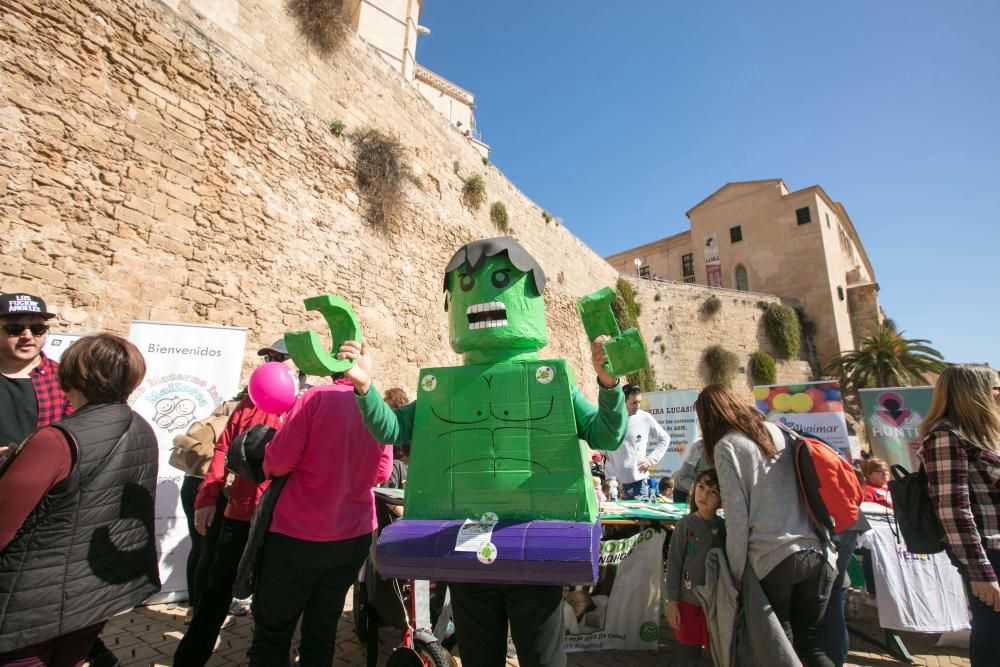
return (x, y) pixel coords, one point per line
(148, 636)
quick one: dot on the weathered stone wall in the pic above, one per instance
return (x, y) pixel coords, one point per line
(146, 173)
(674, 313)
(179, 167)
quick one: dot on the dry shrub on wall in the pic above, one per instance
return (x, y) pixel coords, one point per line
(499, 217)
(711, 306)
(380, 171)
(474, 192)
(320, 22)
(722, 365)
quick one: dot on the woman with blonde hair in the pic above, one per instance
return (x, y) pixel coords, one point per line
(768, 530)
(961, 452)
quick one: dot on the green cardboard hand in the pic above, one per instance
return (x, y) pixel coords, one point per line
(626, 351)
(306, 348)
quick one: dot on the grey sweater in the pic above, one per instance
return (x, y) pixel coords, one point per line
(693, 537)
(766, 518)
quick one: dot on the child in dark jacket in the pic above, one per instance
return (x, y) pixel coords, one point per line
(694, 536)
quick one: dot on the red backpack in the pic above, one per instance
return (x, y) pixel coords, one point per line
(828, 483)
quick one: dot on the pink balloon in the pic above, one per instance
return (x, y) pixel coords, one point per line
(272, 388)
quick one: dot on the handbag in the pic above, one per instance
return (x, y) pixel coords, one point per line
(192, 452)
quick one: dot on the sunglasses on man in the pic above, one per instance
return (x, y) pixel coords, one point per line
(17, 329)
(280, 358)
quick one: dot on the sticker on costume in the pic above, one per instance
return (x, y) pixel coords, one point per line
(544, 374)
(487, 554)
(474, 535)
(429, 383)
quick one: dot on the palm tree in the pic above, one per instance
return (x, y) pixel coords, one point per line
(887, 359)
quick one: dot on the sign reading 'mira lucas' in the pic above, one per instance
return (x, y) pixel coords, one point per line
(674, 410)
(190, 369)
(815, 408)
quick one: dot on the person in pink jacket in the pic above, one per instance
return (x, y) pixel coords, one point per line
(322, 526)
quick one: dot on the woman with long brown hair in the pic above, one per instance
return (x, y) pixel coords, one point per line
(767, 524)
(961, 452)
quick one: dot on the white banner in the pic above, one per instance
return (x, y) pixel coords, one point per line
(190, 369)
(57, 342)
(674, 411)
(623, 610)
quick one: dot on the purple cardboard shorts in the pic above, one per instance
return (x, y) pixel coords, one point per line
(518, 552)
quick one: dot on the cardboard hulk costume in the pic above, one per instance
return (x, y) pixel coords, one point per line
(496, 440)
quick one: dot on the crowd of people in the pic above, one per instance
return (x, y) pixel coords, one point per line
(78, 470)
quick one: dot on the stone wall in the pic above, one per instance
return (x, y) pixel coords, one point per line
(148, 173)
(673, 312)
(174, 163)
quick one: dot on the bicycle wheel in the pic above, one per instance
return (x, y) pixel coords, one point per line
(432, 653)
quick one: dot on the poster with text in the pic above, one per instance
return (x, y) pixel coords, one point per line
(56, 343)
(713, 263)
(622, 611)
(190, 369)
(892, 419)
(674, 411)
(816, 408)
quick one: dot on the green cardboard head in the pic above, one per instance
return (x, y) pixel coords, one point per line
(494, 298)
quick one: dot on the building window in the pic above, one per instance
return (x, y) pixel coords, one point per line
(802, 215)
(840, 292)
(736, 234)
(828, 221)
(742, 284)
(644, 271)
(687, 267)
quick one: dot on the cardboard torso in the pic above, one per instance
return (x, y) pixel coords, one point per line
(498, 438)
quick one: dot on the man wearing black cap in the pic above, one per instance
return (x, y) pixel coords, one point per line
(213, 603)
(30, 395)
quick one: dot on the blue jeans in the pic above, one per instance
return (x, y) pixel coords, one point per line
(834, 622)
(984, 649)
(636, 490)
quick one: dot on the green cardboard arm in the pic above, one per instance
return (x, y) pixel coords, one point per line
(626, 351)
(306, 348)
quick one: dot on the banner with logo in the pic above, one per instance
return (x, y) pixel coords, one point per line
(892, 419)
(190, 370)
(713, 263)
(816, 408)
(674, 411)
(57, 342)
(623, 610)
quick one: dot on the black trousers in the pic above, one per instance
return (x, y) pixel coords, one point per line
(198, 643)
(482, 612)
(189, 490)
(308, 579)
(799, 589)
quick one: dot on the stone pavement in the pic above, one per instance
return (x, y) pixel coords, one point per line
(148, 635)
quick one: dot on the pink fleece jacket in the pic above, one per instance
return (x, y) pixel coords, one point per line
(332, 462)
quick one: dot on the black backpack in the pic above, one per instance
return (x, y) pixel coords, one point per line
(911, 501)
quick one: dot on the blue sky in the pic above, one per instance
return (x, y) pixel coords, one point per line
(613, 119)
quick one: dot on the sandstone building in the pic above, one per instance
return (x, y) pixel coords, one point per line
(759, 236)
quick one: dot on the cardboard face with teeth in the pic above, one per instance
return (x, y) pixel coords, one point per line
(495, 307)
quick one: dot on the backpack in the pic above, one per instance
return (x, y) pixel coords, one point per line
(911, 503)
(828, 484)
(192, 452)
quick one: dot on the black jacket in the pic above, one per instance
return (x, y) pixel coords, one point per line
(87, 551)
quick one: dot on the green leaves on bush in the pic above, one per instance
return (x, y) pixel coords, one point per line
(711, 306)
(380, 171)
(783, 330)
(763, 369)
(337, 127)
